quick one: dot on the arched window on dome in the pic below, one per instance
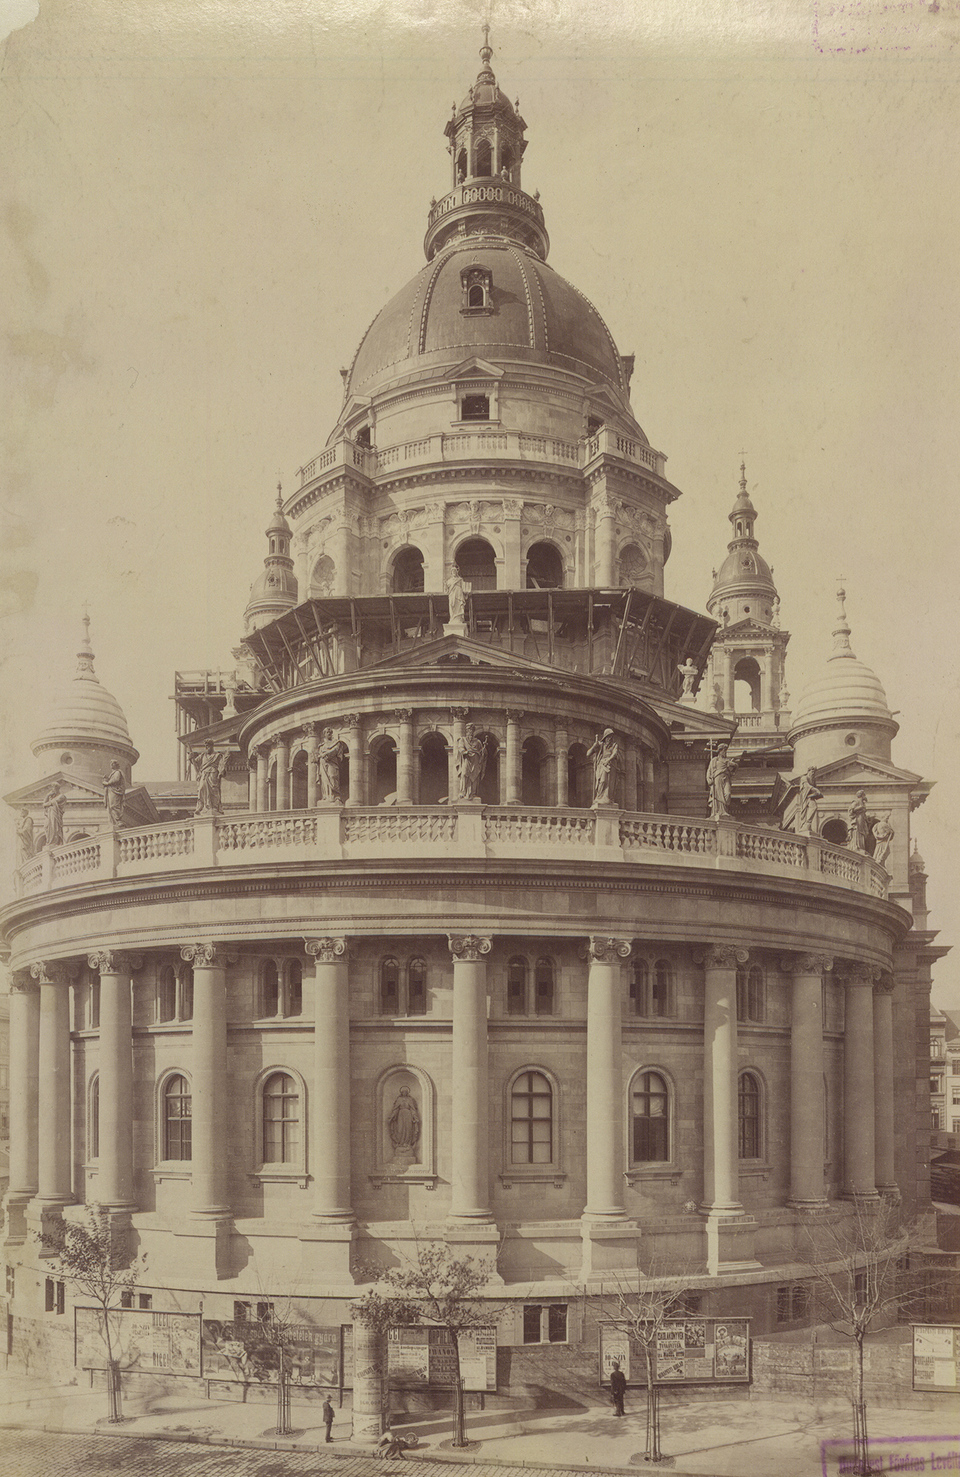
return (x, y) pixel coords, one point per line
(323, 578)
(661, 995)
(489, 789)
(633, 570)
(746, 686)
(407, 575)
(750, 994)
(298, 781)
(477, 564)
(461, 166)
(269, 1002)
(543, 987)
(417, 987)
(383, 771)
(390, 986)
(835, 831)
(293, 988)
(506, 161)
(639, 987)
(475, 296)
(544, 567)
(483, 159)
(167, 994)
(579, 778)
(533, 772)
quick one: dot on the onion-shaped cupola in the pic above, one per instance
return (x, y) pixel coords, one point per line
(86, 729)
(844, 707)
(743, 586)
(275, 591)
(485, 136)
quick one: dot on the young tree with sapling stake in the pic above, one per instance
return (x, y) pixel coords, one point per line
(438, 1290)
(276, 1337)
(642, 1313)
(96, 1258)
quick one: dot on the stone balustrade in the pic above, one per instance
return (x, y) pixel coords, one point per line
(467, 445)
(464, 831)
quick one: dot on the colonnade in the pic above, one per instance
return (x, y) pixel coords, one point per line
(40, 1134)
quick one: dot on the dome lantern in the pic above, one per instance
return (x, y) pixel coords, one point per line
(844, 708)
(276, 589)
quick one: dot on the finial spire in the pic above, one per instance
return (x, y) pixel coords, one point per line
(279, 494)
(85, 654)
(486, 53)
(743, 474)
(841, 631)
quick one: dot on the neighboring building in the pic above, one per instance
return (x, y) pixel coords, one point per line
(939, 1086)
(4, 1087)
(453, 946)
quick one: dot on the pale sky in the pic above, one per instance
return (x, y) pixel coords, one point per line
(209, 203)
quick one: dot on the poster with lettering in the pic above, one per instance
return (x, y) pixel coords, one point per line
(244, 1351)
(141, 1341)
(684, 1350)
(936, 1357)
(418, 1357)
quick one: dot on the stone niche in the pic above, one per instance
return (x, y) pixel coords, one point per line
(405, 1116)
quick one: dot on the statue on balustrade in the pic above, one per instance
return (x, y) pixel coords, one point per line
(210, 767)
(470, 758)
(53, 807)
(330, 751)
(883, 834)
(403, 1125)
(688, 671)
(605, 753)
(24, 837)
(808, 814)
(858, 823)
(115, 789)
(719, 772)
(457, 598)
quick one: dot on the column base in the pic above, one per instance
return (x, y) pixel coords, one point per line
(15, 1204)
(730, 1242)
(813, 1206)
(208, 1239)
(330, 1246)
(479, 1240)
(609, 1246)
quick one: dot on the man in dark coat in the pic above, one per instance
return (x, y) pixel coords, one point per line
(327, 1416)
(618, 1387)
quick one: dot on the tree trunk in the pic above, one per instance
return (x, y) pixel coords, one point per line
(369, 1392)
(652, 1452)
(459, 1417)
(114, 1399)
(861, 1444)
(283, 1396)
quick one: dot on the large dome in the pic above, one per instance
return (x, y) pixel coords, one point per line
(536, 316)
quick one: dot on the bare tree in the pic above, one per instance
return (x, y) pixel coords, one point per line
(642, 1312)
(439, 1290)
(95, 1255)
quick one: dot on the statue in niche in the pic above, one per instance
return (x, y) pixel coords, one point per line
(605, 753)
(457, 597)
(883, 834)
(114, 790)
(209, 766)
(53, 807)
(719, 772)
(403, 1126)
(808, 814)
(471, 761)
(330, 751)
(717, 697)
(858, 823)
(24, 837)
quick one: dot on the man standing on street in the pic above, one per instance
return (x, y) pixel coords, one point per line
(618, 1387)
(327, 1416)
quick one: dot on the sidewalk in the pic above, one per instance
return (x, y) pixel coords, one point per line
(770, 1438)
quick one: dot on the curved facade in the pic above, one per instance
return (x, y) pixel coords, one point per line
(456, 944)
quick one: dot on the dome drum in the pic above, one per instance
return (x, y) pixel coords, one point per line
(519, 217)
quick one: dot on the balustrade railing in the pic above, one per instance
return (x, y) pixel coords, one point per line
(330, 834)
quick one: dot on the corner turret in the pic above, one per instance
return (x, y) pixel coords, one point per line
(275, 591)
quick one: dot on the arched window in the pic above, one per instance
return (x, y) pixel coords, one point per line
(649, 1111)
(389, 987)
(750, 993)
(543, 987)
(298, 781)
(269, 988)
(579, 777)
(93, 1120)
(483, 158)
(177, 1114)
(186, 992)
(323, 578)
(531, 1120)
(633, 568)
(746, 686)
(434, 769)
(475, 296)
(167, 994)
(408, 572)
(835, 831)
(383, 769)
(533, 765)
(281, 1119)
(517, 987)
(506, 160)
(544, 567)
(417, 987)
(461, 166)
(477, 564)
(294, 1001)
(748, 1116)
(639, 987)
(661, 996)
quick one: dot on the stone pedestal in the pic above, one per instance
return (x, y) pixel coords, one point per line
(609, 1247)
(730, 1242)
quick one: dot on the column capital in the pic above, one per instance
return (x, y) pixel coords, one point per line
(885, 985)
(206, 955)
(309, 730)
(279, 742)
(721, 956)
(604, 950)
(514, 715)
(468, 947)
(856, 974)
(54, 971)
(403, 715)
(351, 720)
(114, 961)
(460, 715)
(806, 963)
(327, 950)
(21, 982)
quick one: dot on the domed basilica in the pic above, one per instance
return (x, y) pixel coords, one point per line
(498, 899)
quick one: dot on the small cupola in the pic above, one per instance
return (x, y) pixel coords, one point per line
(86, 729)
(276, 590)
(743, 587)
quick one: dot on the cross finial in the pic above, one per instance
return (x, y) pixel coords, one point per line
(279, 494)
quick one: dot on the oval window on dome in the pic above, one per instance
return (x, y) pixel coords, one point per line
(851, 740)
(66, 758)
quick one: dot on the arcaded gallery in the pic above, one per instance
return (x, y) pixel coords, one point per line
(479, 906)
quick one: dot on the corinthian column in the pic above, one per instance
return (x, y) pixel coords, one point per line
(469, 1174)
(721, 1170)
(513, 785)
(806, 1078)
(605, 1108)
(310, 730)
(357, 793)
(209, 1079)
(54, 1185)
(859, 1106)
(115, 1181)
(281, 752)
(605, 542)
(883, 1083)
(24, 1069)
(330, 1154)
(404, 717)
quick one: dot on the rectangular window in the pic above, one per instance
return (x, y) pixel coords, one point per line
(557, 1323)
(49, 1295)
(264, 1312)
(649, 1140)
(241, 1312)
(545, 1323)
(475, 408)
(955, 1069)
(126, 1298)
(54, 1296)
(145, 1300)
(11, 1281)
(800, 1301)
(955, 1126)
(783, 1304)
(61, 1297)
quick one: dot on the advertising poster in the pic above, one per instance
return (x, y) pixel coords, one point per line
(142, 1341)
(243, 1351)
(936, 1357)
(418, 1357)
(685, 1351)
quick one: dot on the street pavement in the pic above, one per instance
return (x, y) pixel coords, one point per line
(61, 1432)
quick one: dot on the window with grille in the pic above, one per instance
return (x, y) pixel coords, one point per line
(748, 1116)
(281, 1119)
(531, 1114)
(177, 1116)
(269, 988)
(417, 987)
(543, 987)
(517, 987)
(390, 987)
(750, 994)
(650, 1119)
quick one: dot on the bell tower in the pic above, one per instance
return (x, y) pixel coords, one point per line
(745, 677)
